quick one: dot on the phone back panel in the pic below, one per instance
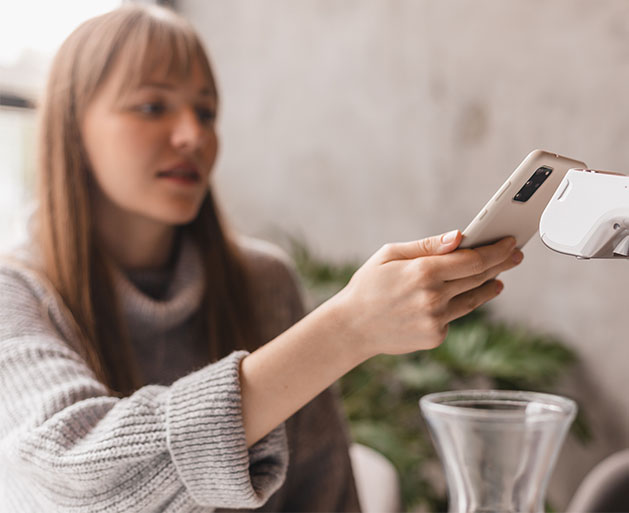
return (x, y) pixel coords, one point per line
(503, 216)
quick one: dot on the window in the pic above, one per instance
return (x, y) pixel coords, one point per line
(30, 33)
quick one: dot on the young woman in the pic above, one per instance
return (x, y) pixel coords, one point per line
(149, 359)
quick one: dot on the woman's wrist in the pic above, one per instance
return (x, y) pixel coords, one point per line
(285, 374)
(352, 345)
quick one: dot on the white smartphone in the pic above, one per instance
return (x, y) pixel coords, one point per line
(516, 207)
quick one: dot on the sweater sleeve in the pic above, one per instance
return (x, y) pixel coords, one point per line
(177, 448)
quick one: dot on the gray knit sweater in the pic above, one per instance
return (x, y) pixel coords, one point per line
(175, 445)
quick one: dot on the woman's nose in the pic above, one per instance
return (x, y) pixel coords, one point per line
(187, 133)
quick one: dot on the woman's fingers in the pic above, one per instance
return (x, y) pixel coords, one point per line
(456, 287)
(471, 262)
(402, 299)
(471, 300)
(436, 245)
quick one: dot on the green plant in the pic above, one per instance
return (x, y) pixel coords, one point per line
(381, 396)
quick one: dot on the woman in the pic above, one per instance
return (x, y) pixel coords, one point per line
(131, 286)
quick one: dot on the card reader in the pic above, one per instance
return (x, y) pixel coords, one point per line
(588, 216)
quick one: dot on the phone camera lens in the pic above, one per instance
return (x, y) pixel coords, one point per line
(533, 183)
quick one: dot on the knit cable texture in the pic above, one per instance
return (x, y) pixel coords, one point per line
(66, 445)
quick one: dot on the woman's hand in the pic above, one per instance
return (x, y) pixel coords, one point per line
(402, 299)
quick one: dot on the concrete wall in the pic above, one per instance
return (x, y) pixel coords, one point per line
(355, 122)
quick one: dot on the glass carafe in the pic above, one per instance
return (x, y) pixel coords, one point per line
(498, 448)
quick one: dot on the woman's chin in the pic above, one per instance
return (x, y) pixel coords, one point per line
(182, 218)
(178, 216)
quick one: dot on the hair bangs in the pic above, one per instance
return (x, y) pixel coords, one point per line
(161, 48)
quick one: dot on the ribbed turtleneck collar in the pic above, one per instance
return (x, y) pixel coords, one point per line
(182, 288)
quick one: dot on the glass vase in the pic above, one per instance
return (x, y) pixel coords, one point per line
(498, 448)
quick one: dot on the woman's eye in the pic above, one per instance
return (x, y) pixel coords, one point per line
(152, 108)
(206, 116)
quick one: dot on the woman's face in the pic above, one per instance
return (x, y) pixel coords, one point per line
(151, 151)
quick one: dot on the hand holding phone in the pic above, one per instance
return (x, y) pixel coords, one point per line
(516, 207)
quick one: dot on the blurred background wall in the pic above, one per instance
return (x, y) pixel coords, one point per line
(350, 123)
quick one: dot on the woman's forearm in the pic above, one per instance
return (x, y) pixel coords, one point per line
(285, 374)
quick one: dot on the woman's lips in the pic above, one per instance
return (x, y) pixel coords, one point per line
(182, 175)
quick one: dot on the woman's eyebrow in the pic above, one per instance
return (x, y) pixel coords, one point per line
(157, 85)
(204, 91)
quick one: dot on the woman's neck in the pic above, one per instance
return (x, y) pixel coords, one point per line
(133, 241)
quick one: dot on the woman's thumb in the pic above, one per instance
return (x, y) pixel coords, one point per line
(436, 245)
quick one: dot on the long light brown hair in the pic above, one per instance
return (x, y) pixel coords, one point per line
(141, 39)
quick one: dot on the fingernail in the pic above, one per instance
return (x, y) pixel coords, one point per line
(447, 238)
(499, 287)
(517, 256)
